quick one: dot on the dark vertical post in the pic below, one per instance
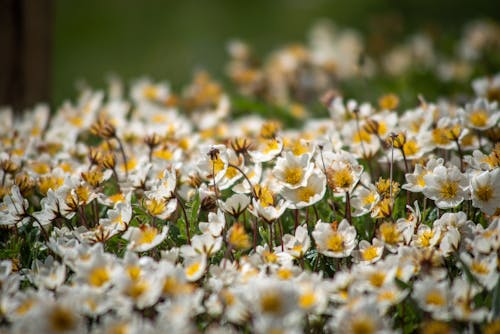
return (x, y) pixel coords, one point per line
(25, 52)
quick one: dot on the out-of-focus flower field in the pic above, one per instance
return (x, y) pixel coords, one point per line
(280, 207)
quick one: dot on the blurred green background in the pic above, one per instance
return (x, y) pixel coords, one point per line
(170, 39)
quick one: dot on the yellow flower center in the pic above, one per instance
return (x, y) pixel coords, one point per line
(156, 206)
(478, 118)
(362, 325)
(62, 320)
(479, 268)
(411, 148)
(99, 276)
(305, 193)
(297, 148)
(307, 300)
(134, 272)
(137, 289)
(25, 306)
(434, 297)
(83, 193)
(148, 235)
(335, 243)
(439, 136)
(271, 303)
(425, 238)
(369, 199)
(484, 193)
(164, 154)
(50, 182)
(264, 195)
(340, 179)
(293, 175)
(150, 92)
(285, 274)
(448, 190)
(377, 279)
(369, 253)
(389, 233)
(386, 295)
(270, 145)
(192, 269)
(238, 237)
(361, 136)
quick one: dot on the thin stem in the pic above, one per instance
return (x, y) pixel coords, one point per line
(214, 184)
(461, 154)
(254, 227)
(280, 225)
(296, 218)
(270, 237)
(124, 156)
(185, 217)
(316, 213)
(45, 234)
(406, 172)
(245, 176)
(348, 207)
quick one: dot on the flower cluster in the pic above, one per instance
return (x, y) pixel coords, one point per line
(156, 211)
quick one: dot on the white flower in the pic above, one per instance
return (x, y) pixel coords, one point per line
(145, 237)
(335, 241)
(215, 224)
(194, 267)
(235, 205)
(298, 244)
(433, 296)
(483, 268)
(446, 186)
(481, 115)
(266, 150)
(213, 162)
(13, 211)
(292, 171)
(486, 191)
(309, 194)
(368, 253)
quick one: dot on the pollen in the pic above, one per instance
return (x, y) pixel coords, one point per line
(271, 303)
(134, 272)
(238, 237)
(411, 148)
(99, 276)
(192, 269)
(389, 233)
(484, 193)
(305, 193)
(293, 175)
(307, 300)
(270, 145)
(449, 189)
(479, 268)
(435, 298)
(340, 179)
(369, 253)
(362, 325)
(217, 165)
(148, 235)
(335, 243)
(231, 172)
(62, 320)
(377, 279)
(425, 238)
(479, 118)
(155, 206)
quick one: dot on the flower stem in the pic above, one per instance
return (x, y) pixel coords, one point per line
(183, 208)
